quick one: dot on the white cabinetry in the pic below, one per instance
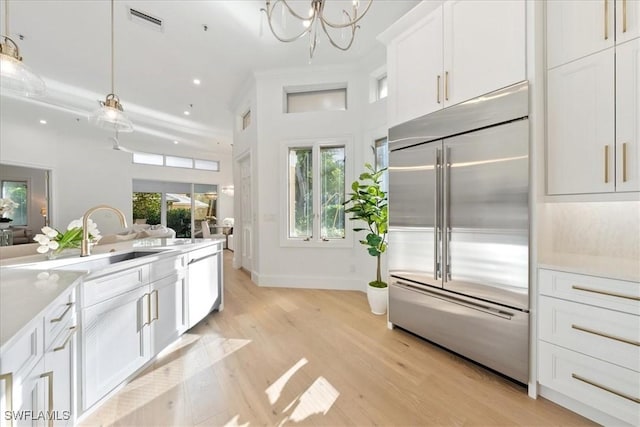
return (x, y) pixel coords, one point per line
(593, 89)
(628, 115)
(130, 316)
(458, 51)
(37, 372)
(115, 342)
(589, 348)
(205, 276)
(581, 125)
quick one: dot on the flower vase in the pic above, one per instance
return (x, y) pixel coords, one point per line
(5, 225)
(65, 252)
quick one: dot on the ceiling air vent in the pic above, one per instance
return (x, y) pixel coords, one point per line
(145, 19)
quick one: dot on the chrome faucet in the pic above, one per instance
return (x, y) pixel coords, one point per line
(85, 249)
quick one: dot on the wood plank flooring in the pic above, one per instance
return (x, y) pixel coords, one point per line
(290, 356)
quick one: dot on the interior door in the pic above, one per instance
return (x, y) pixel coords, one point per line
(486, 214)
(246, 211)
(414, 250)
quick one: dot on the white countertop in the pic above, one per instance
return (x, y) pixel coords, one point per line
(613, 268)
(29, 284)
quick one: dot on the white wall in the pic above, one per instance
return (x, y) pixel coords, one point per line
(276, 264)
(85, 171)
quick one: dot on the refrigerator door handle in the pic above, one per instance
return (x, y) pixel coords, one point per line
(446, 251)
(437, 230)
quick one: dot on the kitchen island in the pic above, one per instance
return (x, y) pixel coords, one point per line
(74, 329)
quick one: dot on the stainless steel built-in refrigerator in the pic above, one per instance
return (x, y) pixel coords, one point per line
(459, 229)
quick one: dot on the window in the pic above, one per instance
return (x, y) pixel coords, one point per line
(382, 87)
(246, 120)
(17, 191)
(316, 192)
(316, 100)
(382, 160)
(176, 162)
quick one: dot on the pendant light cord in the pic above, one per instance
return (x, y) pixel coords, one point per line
(112, 48)
(6, 18)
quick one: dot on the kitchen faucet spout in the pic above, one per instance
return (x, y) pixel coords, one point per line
(85, 249)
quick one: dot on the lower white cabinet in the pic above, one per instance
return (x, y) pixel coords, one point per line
(168, 318)
(589, 342)
(204, 273)
(115, 342)
(59, 373)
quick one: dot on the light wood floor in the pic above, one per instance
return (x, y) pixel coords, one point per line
(289, 356)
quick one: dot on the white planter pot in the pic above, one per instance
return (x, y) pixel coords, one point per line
(377, 299)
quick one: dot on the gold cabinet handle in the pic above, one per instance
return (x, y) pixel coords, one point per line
(147, 319)
(8, 394)
(624, 162)
(157, 315)
(611, 294)
(624, 16)
(606, 19)
(49, 377)
(438, 89)
(446, 85)
(605, 388)
(605, 335)
(606, 164)
(64, 313)
(72, 330)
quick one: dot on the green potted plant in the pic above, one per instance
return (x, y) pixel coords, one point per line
(368, 203)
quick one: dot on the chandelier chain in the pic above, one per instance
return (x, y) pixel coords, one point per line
(6, 18)
(112, 49)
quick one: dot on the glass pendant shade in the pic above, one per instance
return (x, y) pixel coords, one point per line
(111, 116)
(15, 76)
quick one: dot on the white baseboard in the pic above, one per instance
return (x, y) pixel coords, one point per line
(309, 282)
(580, 408)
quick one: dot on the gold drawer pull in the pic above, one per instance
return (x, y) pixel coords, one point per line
(606, 164)
(602, 334)
(64, 313)
(624, 16)
(606, 19)
(624, 162)
(611, 294)
(72, 330)
(605, 388)
(8, 394)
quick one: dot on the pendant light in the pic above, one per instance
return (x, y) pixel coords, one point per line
(15, 76)
(110, 115)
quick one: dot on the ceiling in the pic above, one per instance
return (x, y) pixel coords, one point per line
(219, 42)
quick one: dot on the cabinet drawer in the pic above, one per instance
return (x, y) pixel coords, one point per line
(618, 295)
(598, 332)
(610, 388)
(114, 284)
(61, 315)
(166, 267)
(20, 356)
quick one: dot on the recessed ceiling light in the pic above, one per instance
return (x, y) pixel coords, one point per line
(196, 81)
(43, 122)
(186, 113)
(175, 142)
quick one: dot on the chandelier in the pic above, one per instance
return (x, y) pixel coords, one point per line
(14, 75)
(111, 115)
(316, 18)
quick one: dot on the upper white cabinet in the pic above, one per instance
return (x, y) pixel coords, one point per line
(593, 96)
(484, 47)
(628, 116)
(414, 71)
(459, 50)
(577, 28)
(581, 125)
(627, 19)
